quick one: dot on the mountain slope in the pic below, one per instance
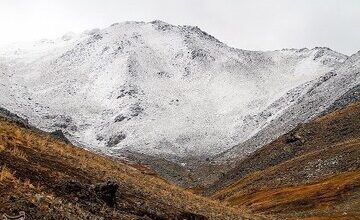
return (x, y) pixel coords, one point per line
(311, 172)
(153, 88)
(329, 92)
(48, 179)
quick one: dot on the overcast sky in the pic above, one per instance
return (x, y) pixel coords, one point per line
(245, 24)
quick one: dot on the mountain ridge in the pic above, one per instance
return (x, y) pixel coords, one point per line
(310, 172)
(320, 96)
(126, 61)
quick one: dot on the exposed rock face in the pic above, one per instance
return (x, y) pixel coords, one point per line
(58, 134)
(120, 118)
(350, 96)
(116, 139)
(14, 117)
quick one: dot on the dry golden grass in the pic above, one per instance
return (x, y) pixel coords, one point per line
(18, 153)
(329, 188)
(348, 147)
(319, 178)
(5, 174)
(262, 193)
(35, 146)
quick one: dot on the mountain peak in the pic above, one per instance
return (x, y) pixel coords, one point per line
(170, 87)
(159, 22)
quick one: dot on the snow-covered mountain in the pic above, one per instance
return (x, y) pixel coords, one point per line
(162, 89)
(332, 91)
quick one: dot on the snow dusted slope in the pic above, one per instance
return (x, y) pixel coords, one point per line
(152, 87)
(333, 90)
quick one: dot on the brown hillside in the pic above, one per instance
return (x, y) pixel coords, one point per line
(49, 179)
(313, 172)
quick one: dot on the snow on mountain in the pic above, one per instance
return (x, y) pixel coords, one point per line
(324, 94)
(154, 87)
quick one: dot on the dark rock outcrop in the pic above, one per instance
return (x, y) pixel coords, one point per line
(191, 216)
(114, 140)
(14, 118)
(107, 192)
(98, 193)
(59, 135)
(350, 96)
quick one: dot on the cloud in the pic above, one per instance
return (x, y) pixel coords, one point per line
(253, 25)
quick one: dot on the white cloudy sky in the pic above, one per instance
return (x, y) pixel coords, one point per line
(254, 25)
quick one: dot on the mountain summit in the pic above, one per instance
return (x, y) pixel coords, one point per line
(159, 89)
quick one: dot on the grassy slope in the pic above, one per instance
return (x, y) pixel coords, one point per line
(312, 172)
(49, 179)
